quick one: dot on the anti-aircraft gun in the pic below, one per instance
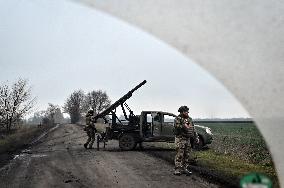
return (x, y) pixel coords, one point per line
(127, 132)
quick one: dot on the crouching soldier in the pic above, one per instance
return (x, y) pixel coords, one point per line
(90, 129)
(184, 131)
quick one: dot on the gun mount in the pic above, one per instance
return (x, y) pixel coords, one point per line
(120, 102)
(116, 130)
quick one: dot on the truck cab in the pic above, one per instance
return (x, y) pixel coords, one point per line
(157, 126)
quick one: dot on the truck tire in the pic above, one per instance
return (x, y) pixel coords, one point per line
(127, 142)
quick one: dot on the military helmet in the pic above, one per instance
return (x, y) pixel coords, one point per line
(183, 109)
(91, 111)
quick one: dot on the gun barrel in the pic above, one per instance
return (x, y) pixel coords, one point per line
(138, 86)
(119, 101)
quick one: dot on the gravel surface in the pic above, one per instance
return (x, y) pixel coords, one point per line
(60, 160)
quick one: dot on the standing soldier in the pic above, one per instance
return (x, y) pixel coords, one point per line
(184, 131)
(90, 129)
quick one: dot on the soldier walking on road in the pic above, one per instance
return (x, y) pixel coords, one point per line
(90, 129)
(184, 131)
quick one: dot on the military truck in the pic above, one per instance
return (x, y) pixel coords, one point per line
(149, 126)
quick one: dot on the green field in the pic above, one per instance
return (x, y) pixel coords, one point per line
(242, 140)
(237, 149)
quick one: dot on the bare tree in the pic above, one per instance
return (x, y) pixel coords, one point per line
(4, 94)
(15, 102)
(74, 105)
(58, 116)
(96, 100)
(53, 113)
(37, 117)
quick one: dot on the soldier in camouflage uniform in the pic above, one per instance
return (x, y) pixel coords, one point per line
(184, 131)
(90, 129)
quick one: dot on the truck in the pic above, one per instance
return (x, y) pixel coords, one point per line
(148, 126)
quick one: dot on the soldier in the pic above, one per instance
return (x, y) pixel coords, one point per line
(90, 129)
(184, 131)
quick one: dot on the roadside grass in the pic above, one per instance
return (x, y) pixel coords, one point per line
(231, 166)
(19, 138)
(227, 167)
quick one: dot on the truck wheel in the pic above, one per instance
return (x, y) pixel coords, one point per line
(127, 142)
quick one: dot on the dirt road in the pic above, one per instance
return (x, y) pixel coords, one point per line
(59, 160)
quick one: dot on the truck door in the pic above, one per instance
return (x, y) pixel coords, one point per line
(157, 123)
(147, 125)
(167, 125)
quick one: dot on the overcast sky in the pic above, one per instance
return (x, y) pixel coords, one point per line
(62, 46)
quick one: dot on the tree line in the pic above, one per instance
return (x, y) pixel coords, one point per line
(78, 103)
(17, 101)
(52, 115)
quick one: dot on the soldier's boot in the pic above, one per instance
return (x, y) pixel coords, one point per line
(187, 172)
(91, 143)
(177, 172)
(86, 146)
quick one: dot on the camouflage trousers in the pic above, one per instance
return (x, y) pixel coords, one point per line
(183, 155)
(91, 136)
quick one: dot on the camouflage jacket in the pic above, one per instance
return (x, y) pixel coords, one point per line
(184, 127)
(90, 121)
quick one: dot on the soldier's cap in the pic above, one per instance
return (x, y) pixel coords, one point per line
(183, 109)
